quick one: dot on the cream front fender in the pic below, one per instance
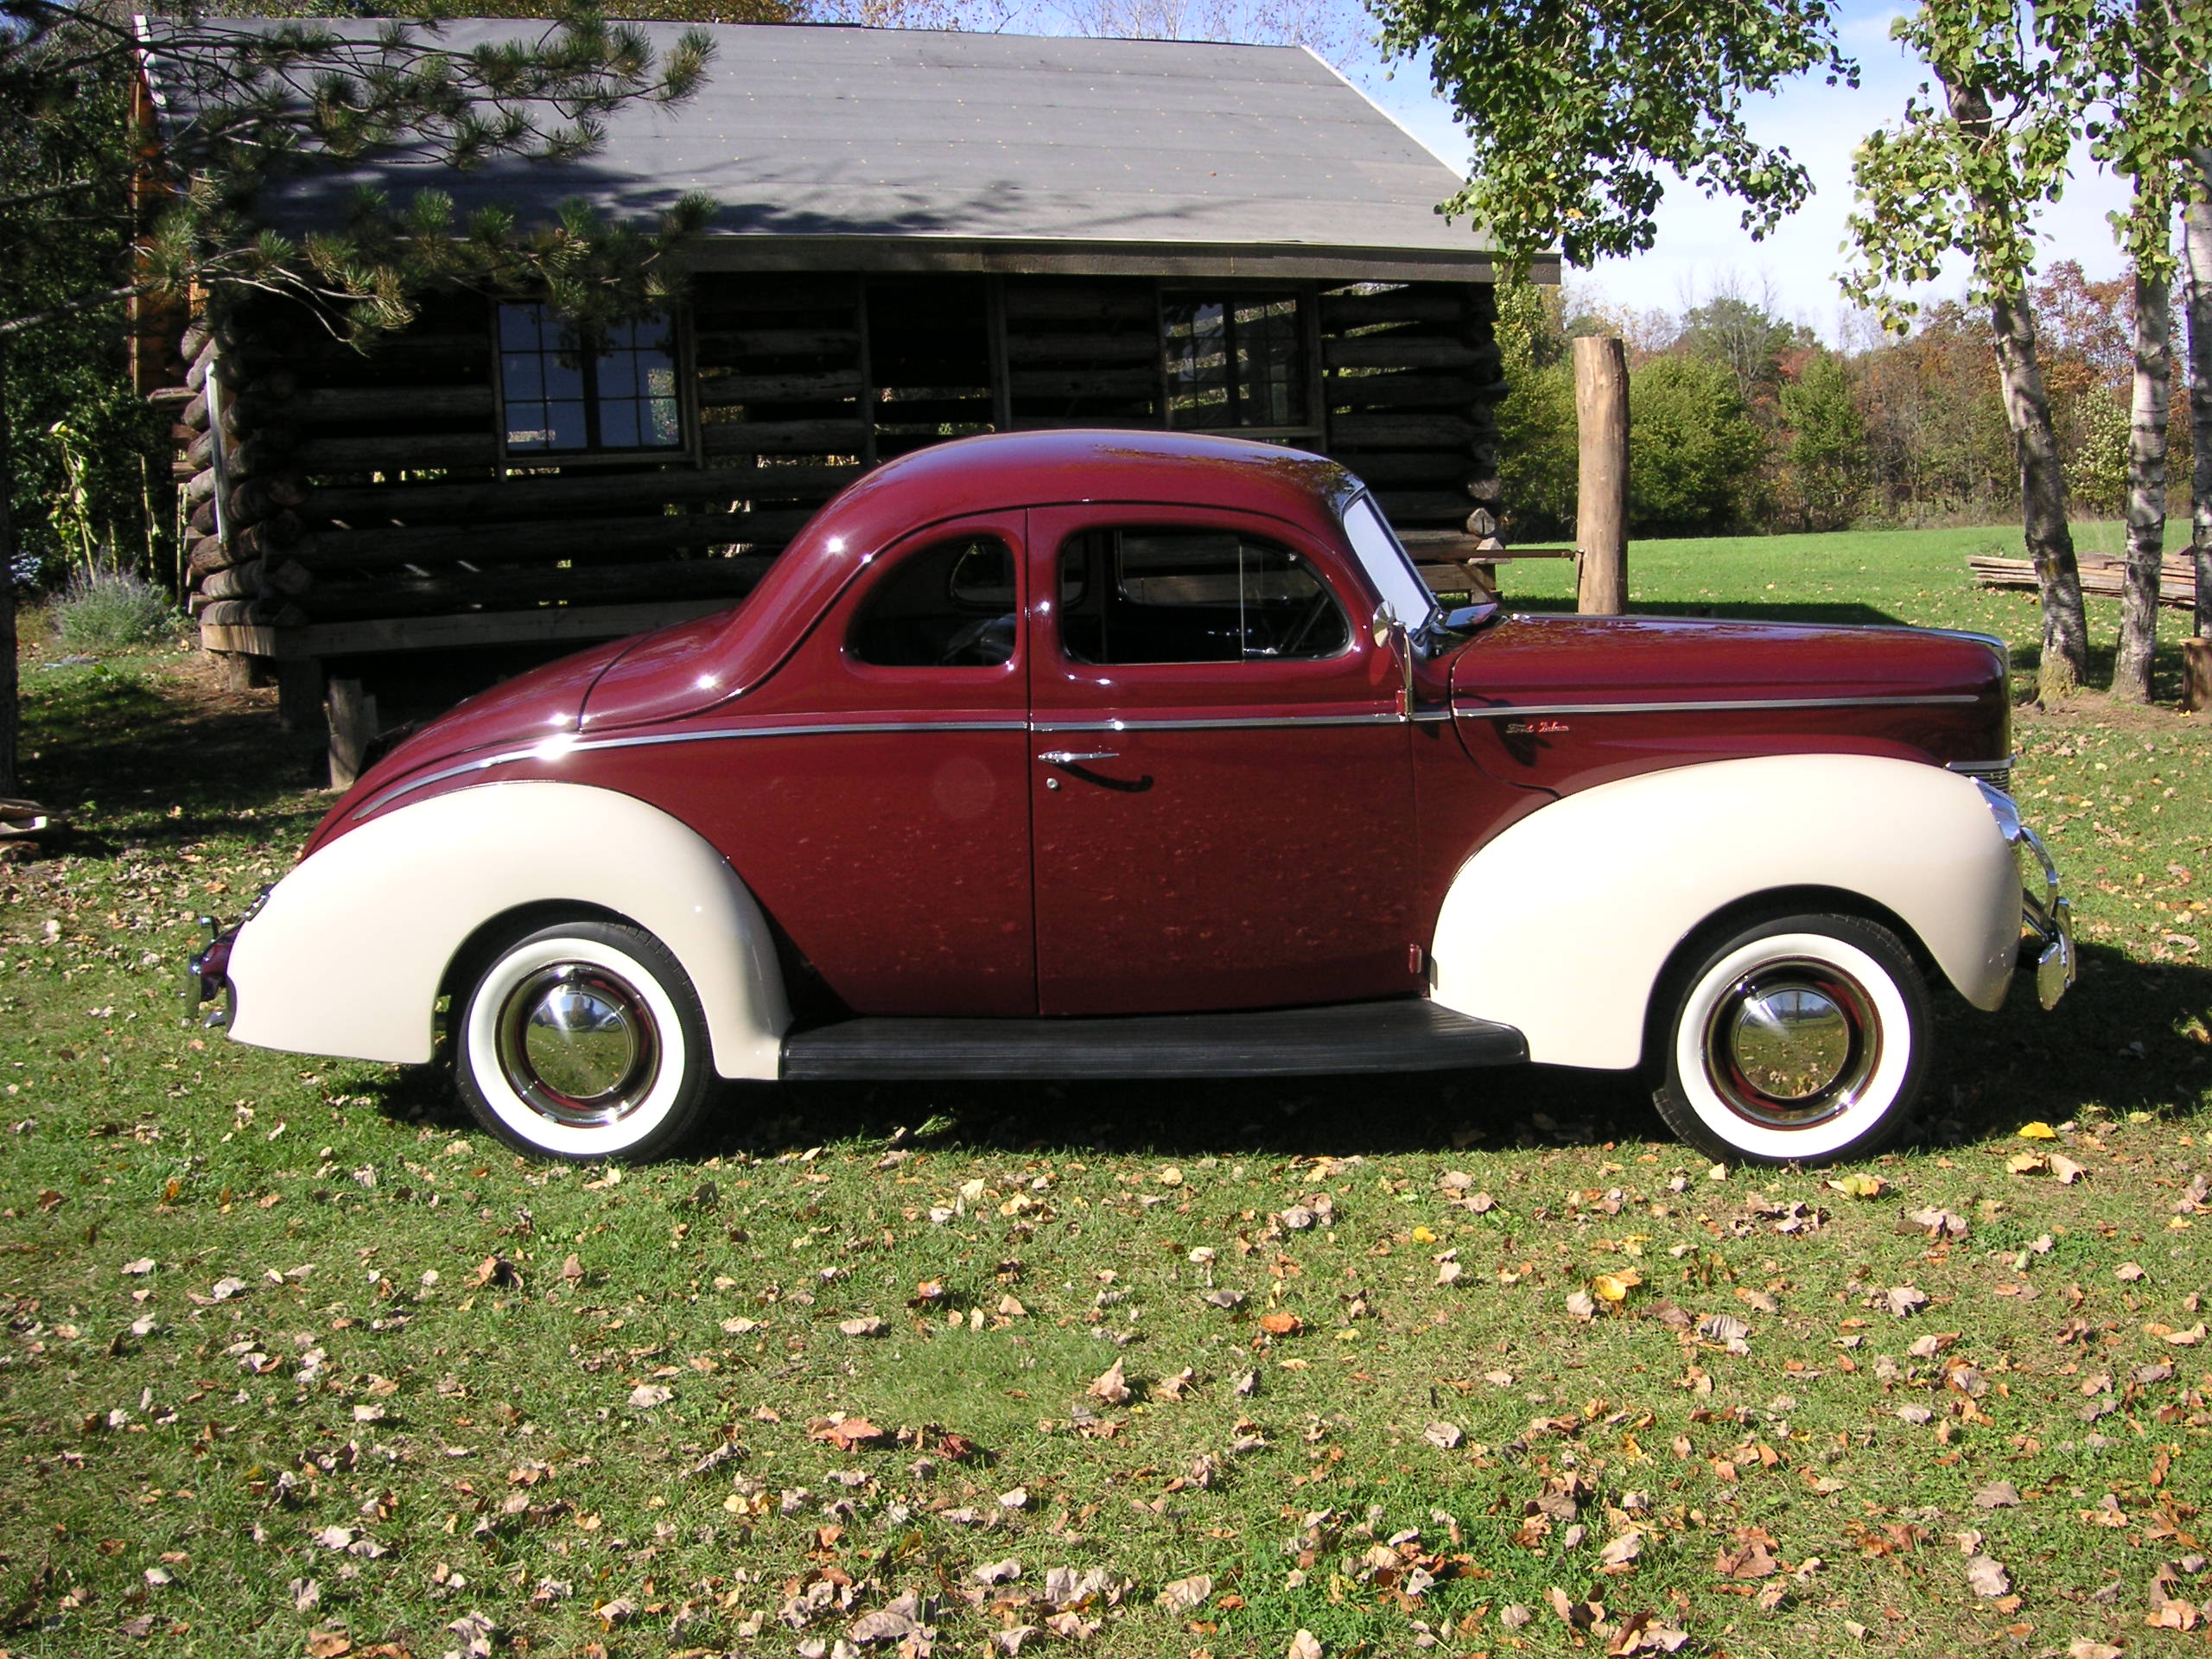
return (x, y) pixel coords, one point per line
(1562, 926)
(350, 953)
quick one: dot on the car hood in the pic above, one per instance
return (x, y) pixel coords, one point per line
(1564, 701)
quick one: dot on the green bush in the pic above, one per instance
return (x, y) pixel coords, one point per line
(108, 609)
(1693, 452)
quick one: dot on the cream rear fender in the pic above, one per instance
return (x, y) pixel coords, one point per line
(350, 953)
(1562, 926)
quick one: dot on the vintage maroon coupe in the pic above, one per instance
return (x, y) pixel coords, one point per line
(1119, 754)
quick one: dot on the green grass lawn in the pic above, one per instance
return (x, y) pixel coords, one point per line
(297, 1363)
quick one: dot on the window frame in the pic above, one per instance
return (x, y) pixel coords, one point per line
(885, 570)
(1307, 298)
(686, 453)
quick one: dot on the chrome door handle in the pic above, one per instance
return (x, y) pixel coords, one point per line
(1076, 757)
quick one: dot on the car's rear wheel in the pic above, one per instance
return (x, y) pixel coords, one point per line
(585, 1040)
(1801, 1038)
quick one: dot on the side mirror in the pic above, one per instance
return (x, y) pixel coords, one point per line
(1390, 634)
(1385, 624)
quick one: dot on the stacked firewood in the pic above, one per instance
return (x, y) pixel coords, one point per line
(2102, 576)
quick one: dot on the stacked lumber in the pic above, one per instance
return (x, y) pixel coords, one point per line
(1412, 377)
(2102, 576)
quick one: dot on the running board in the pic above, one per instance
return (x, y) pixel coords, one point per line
(1410, 1034)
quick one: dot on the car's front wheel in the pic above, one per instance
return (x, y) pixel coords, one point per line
(1799, 1039)
(585, 1040)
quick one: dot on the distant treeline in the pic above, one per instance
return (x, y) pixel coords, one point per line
(1740, 421)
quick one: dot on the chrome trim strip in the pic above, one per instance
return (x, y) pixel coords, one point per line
(554, 747)
(1232, 724)
(1501, 711)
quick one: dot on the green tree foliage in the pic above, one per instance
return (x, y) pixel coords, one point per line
(1827, 443)
(1693, 452)
(1537, 436)
(1575, 111)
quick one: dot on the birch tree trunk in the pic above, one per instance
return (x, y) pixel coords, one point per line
(2146, 489)
(9, 783)
(2196, 269)
(2042, 497)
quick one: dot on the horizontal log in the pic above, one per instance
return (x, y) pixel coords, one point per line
(195, 378)
(837, 437)
(247, 613)
(469, 501)
(265, 495)
(934, 412)
(1406, 351)
(1422, 304)
(1420, 469)
(202, 519)
(713, 295)
(342, 405)
(278, 385)
(1088, 346)
(208, 554)
(440, 350)
(200, 452)
(386, 454)
(718, 346)
(278, 534)
(2100, 578)
(1434, 431)
(194, 413)
(194, 340)
(199, 482)
(1387, 391)
(256, 578)
(1083, 383)
(542, 540)
(720, 391)
(511, 590)
(1134, 303)
(1427, 507)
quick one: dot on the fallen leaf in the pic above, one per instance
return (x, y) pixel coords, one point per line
(1514, 1616)
(1987, 1579)
(867, 1326)
(1183, 1594)
(1579, 1305)
(2082, 1648)
(1857, 1186)
(1620, 1556)
(1303, 1645)
(144, 1264)
(1615, 1286)
(2037, 1131)
(1281, 1325)
(1997, 1494)
(1110, 1386)
(328, 1644)
(1904, 1301)
(1445, 1437)
(1003, 1571)
(2066, 1169)
(646, 1395)
(846, 1432)
(2128, 1272)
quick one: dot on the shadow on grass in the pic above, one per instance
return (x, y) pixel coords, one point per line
(117, 748)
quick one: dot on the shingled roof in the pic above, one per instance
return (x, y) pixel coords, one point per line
(867, 148)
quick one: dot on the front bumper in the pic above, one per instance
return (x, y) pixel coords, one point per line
(2046, 914)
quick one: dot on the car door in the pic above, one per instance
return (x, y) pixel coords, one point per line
(1221, 783)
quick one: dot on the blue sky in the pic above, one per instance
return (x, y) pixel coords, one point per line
(1700, 243)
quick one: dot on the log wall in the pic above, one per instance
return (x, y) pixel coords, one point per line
(325, 486)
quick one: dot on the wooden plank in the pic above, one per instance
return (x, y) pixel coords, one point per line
(420, 595)
(1426, 469)
(468, 501)
(714, 346)
(1084, 383)
(1425, 303)
(1406, 351)
(536, 540)
(330, 405)
(391, 454)
(1079, 349)
(722, 391)
(546, 624)
(1387, 391)
(1438, 431)
(838, 437)
(1131, 301)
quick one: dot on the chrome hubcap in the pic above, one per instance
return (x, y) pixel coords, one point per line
(578, 1043)
(1792, 1044)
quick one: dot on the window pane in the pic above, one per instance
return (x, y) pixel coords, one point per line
(519, 327)
(519, 373)
(1198, 363)
(618, 425)
(666, 431)
(566, 423)
(1270, 363)
(1192, 595)
(949, 605)
(554, 398)
(526, 426)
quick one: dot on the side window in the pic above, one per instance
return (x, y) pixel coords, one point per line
(1190, 595)
(949, 605)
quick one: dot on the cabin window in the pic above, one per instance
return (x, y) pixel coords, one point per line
(613, 392)
(1235, 360)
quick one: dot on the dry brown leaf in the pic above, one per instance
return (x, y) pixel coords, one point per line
(1281, 1325)
(1110, 1386)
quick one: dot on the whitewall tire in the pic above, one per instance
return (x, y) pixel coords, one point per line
(583, 1041)
(1799, 1039)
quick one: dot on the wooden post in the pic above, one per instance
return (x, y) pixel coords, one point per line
(300, 694)
(2196, 676)
(1601, 495)
(352, 725)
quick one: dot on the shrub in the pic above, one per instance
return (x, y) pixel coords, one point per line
(108, 609)
(1694, 454)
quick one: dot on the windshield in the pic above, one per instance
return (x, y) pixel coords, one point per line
(1388, 564)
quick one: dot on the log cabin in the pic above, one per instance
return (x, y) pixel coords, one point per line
(919, 236)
